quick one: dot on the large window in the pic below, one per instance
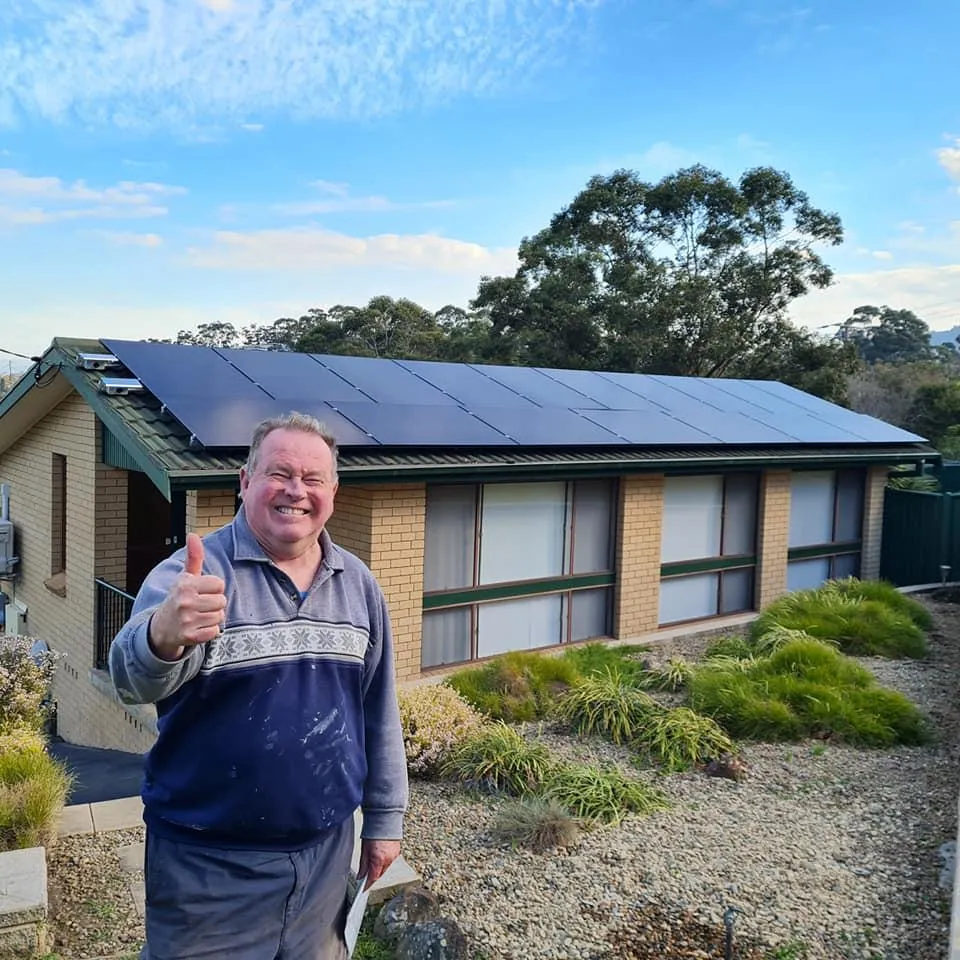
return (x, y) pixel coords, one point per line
(826, 526)
(708, 546)
(512, 566)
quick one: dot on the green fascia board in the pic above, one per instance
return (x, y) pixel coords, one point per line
(714, 565)
(116, 425)
(824, 550)
(510, 591)
(20, 389)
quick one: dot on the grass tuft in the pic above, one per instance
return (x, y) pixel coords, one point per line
(601, 794)
(607, 704)
(598, 658)
(539, 824)
(498, 759)
(680, 738)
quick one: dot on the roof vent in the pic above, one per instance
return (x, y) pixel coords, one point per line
(119, 386)
(96, 361)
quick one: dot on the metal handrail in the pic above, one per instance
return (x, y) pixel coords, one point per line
(113, 607)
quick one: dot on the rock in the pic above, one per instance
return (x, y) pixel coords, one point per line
(411, 905)
(439, 939)
(728, 767)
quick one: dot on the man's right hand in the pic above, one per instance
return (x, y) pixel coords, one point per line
(193, 611)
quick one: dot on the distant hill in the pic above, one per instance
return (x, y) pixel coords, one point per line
(944, 336)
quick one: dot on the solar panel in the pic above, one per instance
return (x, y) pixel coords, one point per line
(469, 386)
(647, 427)
(427, 425)
(532, 383)
(603, 391)
(547, 427)
(297, 377)
(225, 421)
(385, 381)
(185, 371)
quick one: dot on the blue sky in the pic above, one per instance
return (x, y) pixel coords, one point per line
(168, 162)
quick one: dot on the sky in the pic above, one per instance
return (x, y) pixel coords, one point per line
(165, 163)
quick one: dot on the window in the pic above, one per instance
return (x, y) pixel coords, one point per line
(515, 566)
(58, 525)
(708, 546)
(826, 526)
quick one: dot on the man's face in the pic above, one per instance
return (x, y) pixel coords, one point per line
(288, 495)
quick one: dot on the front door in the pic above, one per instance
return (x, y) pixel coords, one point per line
(155, 527)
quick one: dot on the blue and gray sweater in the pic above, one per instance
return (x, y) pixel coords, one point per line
(281, 727)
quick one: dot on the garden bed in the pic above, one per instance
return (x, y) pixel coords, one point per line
(828, 851)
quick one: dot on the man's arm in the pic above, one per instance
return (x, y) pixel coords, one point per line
(386, 790)
(177, 610)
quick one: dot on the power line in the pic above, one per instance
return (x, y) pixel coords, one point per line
(22, 356)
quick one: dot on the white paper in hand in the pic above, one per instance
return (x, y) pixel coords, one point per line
(355, 915)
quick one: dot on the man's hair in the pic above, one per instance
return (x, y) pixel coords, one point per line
(290, 421)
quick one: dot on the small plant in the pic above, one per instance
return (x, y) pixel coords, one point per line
(516, 687)
(538, 824)
(33, 789)
(595, 658)
(25, 679)
(681, 738)
(857, 625)
(606, 704)
(778, 636)
(435, 718)
(794, 950)
(671, 677)
(731, 648)
(600, 794)
(818, 750)
(498, 759)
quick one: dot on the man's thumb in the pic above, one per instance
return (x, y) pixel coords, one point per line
(194, 562)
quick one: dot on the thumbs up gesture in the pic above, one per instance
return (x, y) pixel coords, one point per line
(194, 608)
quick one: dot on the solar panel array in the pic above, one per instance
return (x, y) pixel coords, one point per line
(219, 395)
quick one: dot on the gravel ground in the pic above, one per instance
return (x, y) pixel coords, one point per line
(827, 846)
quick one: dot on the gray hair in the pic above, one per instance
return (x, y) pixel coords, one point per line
(290, 421)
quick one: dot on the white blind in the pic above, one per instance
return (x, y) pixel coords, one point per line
(692, 516)
(522, 531)
(689, 598)
(593, 513)
(449, 537)
(811, 508)
(518, 624)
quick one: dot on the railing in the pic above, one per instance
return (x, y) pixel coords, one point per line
(113, 608)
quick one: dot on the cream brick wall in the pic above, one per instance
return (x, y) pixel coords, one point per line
(111, 525)
(66, 623)
(351, 525)
(208, 510)
(875, 486)
(637, 595)
(774, 538)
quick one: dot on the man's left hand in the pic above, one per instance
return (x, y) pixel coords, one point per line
(375, 857)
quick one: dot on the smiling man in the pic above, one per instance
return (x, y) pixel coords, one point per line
(268, 652)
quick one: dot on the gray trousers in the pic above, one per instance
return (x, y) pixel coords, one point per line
(213, 903)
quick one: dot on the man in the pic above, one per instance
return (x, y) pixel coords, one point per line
(268, 652)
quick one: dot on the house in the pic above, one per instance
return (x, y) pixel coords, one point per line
(501, 508)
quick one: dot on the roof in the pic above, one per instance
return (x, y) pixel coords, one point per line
(196, 394)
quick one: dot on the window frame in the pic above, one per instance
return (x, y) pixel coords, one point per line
(680, 569)
(565, 585)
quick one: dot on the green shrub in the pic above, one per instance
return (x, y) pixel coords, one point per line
(498, 758)
(602, 794)
(887, 594)
(537, 823)
(729, 647)
(24, 684)
(597, 658)
(606, 704)
(806, 688)
(434, 718)
(673, 676)
(33, 790)
(680, 738)
(516, 687)
(862, 627)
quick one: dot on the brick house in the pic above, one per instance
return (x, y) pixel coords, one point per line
(495, 514)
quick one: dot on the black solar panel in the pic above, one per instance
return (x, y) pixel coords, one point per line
(225, 421)
(532, 383)
(603, 391)
(643, 427)
(546, 427)
(469, 386)
(183, 370)
(429, 425)
(385, 381)
(297, 377)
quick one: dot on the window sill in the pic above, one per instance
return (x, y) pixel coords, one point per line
(57, 584)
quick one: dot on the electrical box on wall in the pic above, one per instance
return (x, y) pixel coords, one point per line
(8, 557)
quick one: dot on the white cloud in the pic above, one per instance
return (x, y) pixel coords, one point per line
(182, 63)
(312, 248)
(252, 127)
(338, 199)
(120, 239)
(876, 254)
(949, 158)
(26, 200)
